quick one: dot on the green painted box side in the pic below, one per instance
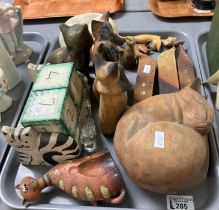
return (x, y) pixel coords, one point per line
(48, 111)
(76, 88)
(70, 115)
(55, 76)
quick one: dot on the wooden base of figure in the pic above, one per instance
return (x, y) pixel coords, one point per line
(5, 103)
(22, 54)
(110, 110)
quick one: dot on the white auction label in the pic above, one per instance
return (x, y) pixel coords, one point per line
(180, 202)
(147, 69)
(38, 109)
(159, 139)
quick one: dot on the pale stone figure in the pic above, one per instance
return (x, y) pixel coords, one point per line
(5, 101)
(11, 33)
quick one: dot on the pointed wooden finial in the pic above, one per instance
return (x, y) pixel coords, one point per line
(214, 79)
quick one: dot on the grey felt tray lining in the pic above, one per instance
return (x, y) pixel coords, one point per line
(205, 196)
(38, 44)
(210, 90)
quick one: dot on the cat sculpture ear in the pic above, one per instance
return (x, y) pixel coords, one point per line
(11, 134)
(76, 27)
(64, 28)
(105, 17)
(6, 130)
(28, 132)
(196, 85)
(95, 28)
(97, 24)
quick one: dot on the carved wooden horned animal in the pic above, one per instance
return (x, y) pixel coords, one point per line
(91, 178)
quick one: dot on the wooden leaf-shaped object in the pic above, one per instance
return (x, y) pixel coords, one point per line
(214, 79)
(212, 45)
(167, 72)
(185, 68)
(217, 97)
(145, 78)
(91, 178)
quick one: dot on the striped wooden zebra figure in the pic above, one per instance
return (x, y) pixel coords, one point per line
(41, 148)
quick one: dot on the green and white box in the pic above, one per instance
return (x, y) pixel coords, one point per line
(51, 111)
(53, 76)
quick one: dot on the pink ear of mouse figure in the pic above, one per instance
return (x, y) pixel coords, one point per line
(11, 33)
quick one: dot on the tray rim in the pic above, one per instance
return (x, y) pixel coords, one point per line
(67, 206)
(44, 44)
(207, 87)
(22, 2)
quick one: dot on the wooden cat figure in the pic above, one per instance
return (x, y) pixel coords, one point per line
(111, 84)
(103, 32)
(92, 178)
(112, 87)
(78, 42)
(41, 148)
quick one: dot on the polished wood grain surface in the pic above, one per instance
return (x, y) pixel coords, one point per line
(33, 9)
(176, 8)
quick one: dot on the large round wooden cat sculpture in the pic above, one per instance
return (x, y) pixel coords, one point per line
(162, 141)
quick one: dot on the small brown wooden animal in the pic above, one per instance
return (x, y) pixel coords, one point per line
(91, 178)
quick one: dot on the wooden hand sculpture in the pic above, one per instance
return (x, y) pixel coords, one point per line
(162, 141)
(91, 178)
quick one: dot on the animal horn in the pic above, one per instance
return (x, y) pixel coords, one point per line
(105, 16)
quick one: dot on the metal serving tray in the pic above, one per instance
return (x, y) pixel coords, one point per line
(210, 90)
(38, 43)
(205, 196)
